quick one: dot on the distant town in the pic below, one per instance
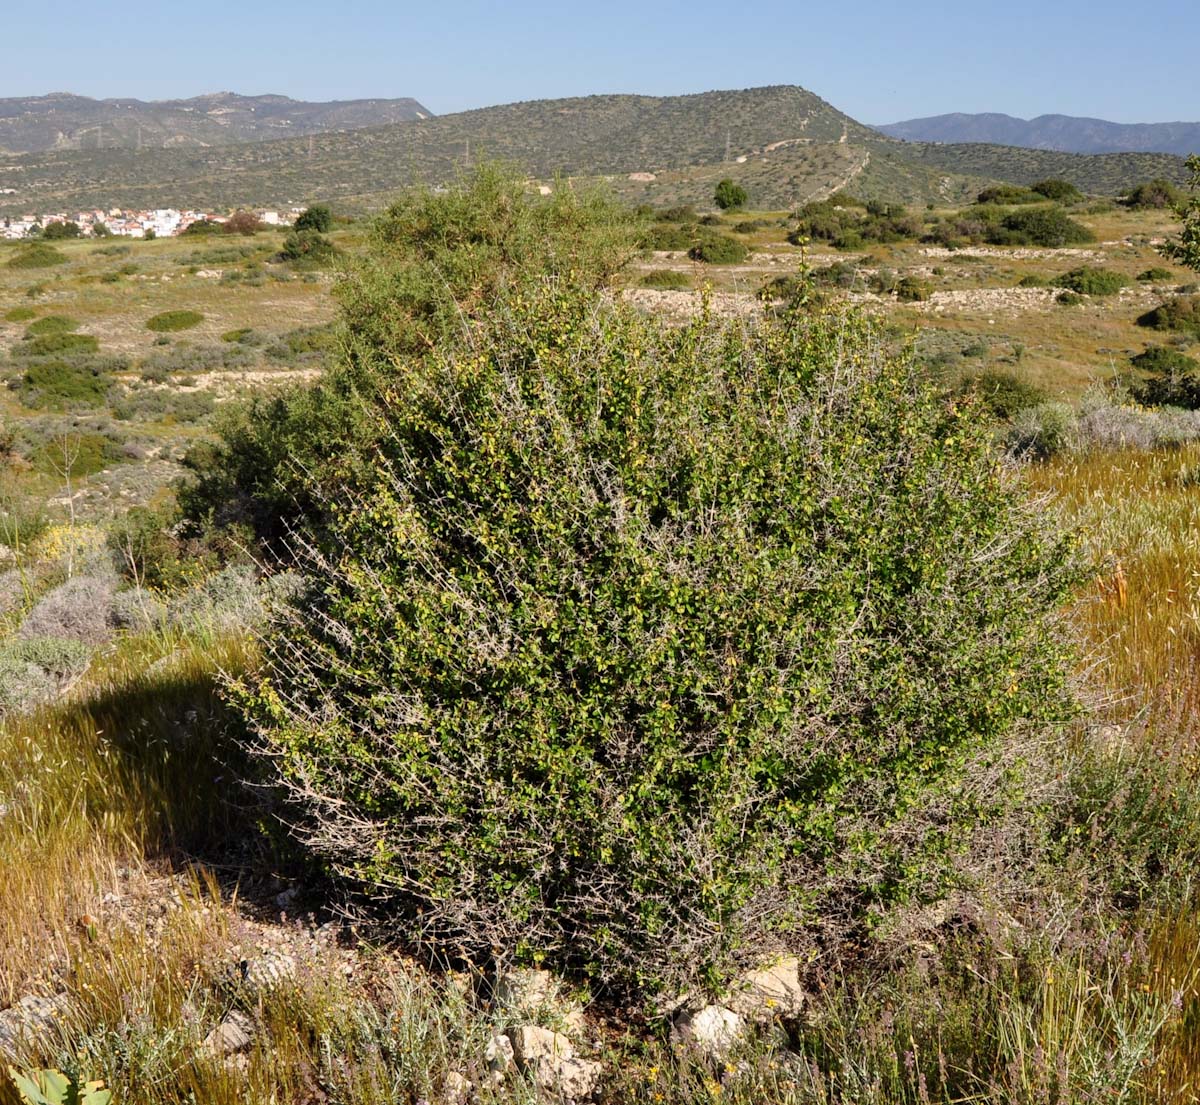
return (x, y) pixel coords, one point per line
(160, 223)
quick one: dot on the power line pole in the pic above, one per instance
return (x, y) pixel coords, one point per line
(728, 144)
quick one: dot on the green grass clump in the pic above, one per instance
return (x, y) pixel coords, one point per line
(718, 249)
(1172, 378)
(57, 343)
(1088, 280)
(170, 321)
(1041, 226)
(912, 289)
(1008, 194)
(51, 324)
(1002, 393)
(83, 453)
(62, 384)
(1156, 275)
(666, 237)
(666, 278)
(37, 256)
(1181, 314)
(20, 314)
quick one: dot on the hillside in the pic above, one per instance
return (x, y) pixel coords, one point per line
(1066, 133)
(62, 121)
(786, 144)
(1107, 174)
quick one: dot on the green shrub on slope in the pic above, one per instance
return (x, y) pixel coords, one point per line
(170, 321)
(652, 651)
(1089, 280)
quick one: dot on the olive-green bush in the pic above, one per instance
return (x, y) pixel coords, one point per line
(1089, 280)
(1041, 226)
(1182, 313)
(651, 651)
(1172, 380)
(666, 278)
(1061, 191)
(51, 324)
(63, 383)
(1003, 394)
(730, 195)
(718, 249)
(433, 263)
(170, 321)
(37, 256)
(56, 344)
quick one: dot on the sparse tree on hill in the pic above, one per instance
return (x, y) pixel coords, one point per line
(318, 217)
(1186, 248)
(57, 231)
(243, 222)
(730, 195)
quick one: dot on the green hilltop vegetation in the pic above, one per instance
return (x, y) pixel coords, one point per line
(783, 143)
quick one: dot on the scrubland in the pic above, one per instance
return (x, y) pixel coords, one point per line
(162, 887)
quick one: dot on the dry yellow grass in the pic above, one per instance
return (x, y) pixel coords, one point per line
(1139, 516)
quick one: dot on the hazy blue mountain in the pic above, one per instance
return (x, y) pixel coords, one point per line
(1069, 133)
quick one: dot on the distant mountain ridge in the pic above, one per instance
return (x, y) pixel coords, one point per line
(1067, 133)
(783, 143)
(65, 121)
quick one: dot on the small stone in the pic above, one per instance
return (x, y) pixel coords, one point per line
(267, 972)
(713, 1029)
(31, 1020)
(771, 992)
(531, 1043)
(285, 898)
(235, 1033)
(549, 1057)
(525, 990)
(499, 1055)
(456, 1089)
(575, 1078)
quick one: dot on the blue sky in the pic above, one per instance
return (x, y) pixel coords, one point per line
(878, 61)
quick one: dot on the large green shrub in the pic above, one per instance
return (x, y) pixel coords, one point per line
(1040, 226)
(1155, 194)
(718, 249)
(653, 651)
(56, 343)
(1182, 313)
(1173, 378)
(318, 217)
(1005, 194)
(1089, 280)
(433, 263)
(59, 231)
(51, 324)
(65, 383)
(310, 246)
(730, 195)
(666, 278)
(1003, 394)
(1061, 191)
